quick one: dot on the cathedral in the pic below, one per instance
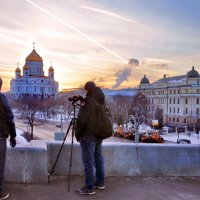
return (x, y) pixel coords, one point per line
(32, 81)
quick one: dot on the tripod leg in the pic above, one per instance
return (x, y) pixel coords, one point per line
(71, 123)
(70, 163)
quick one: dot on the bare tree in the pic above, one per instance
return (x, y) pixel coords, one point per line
(159, 116)
(119, 107)
(29, 107)
(139, 105)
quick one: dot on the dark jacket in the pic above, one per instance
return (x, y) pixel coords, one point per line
(87, 117)
(7, 125)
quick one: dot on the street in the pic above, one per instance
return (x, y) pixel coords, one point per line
(43, 129)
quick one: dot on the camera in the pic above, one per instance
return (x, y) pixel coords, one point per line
(76, 98)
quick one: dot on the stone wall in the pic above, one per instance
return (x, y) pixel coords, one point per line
(32, 163)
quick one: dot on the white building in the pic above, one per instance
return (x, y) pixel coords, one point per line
(178, 96)
(32, 81)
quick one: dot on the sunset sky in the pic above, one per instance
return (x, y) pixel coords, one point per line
(94, 40)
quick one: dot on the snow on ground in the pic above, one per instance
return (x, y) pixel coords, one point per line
(20, 139)
(173, 137)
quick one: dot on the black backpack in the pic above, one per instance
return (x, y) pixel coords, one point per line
(104, 127)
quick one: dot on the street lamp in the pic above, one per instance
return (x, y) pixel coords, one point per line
(61, 119)
(137, 120)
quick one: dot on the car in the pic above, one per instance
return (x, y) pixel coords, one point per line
(58, 125)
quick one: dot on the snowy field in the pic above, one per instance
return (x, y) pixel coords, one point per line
(169, 137)
(20, 139)
(173, 137)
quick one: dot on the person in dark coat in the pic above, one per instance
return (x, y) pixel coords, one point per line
(7, 128)
(91, 147)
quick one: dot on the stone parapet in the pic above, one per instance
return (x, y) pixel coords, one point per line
(32, 163)
(129, 159)
(27, 163)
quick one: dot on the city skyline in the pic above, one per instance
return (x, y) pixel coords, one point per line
(93, 40)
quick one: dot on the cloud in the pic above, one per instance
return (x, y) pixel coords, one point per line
(121, 77)
(76, 30)
(155, 63)
(124, 74)
(99, 79)
(133, 61)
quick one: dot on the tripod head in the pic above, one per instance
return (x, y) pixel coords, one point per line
(74, 99)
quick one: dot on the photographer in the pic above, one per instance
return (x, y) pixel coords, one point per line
(7, 128)
(91, 147)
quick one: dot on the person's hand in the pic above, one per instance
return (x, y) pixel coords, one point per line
(13, 142)
(78, 139)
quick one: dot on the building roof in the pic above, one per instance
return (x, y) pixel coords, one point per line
(25, 67)
(193, 73)
(17, 69)
(144, 80)
(34, 56)
(122, 92)
(170, 80)
(51, 69)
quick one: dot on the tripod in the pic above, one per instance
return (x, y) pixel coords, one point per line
(72, 124)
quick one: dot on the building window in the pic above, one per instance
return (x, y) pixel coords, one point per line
(178, 100)
(170, 100)
(186, 101)
(170, 110)
(174, 110)
(197, 100)
(174, 91)
(177, 120)
(173, 119)
(186, 110)
(174, 101)
(197, 111)
(177, 110)
(185, 121)
(170, 119)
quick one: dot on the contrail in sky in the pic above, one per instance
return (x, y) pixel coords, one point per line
(77, 31)
(107, 13)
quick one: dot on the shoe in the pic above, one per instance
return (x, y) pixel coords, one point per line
(99, 186)
(4, 195)
(85, 190)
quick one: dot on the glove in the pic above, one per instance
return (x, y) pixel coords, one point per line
(13, 142)
(78, 139)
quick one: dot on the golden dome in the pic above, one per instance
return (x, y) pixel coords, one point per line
(34, 56)
(51, 69)
(18, 69)
(25, 67)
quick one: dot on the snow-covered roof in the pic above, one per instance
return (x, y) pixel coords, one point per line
(122, 92)
(171, 80)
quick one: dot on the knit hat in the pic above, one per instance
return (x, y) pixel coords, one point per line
(89, 86)
(1, 81)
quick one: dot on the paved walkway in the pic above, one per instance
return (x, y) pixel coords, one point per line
(117, 188)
